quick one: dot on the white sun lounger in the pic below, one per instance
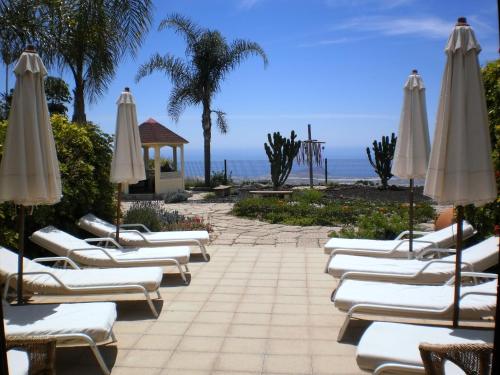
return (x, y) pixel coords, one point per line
(138, 235)
(38, 278)
(18, 362)
(82, 252)
(69, 324)
(399, 247)
(416, 301)
(421, 270)
(393, 347)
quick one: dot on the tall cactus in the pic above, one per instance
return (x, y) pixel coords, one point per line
(281, 152)
(383, 153)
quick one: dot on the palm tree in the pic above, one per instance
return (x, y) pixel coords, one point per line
(196, 81)
(90, 39)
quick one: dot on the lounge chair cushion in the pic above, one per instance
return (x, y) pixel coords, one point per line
(444, 238)
(482, 256)
(60, 243)
(436, 297)
(101, 228)
(149, 277)
(398, 343)
(19, 362)
(94, 319)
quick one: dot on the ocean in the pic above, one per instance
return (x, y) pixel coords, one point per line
(339, 170)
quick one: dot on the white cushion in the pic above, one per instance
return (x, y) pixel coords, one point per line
(60, 243)
(435, 297)
(149, 277)
(102, 228)
(94, 319)
(19, 362)
(482, 256)
(398, 343)
(444, 238)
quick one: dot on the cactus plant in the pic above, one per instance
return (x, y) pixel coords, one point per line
(281, 151)
(383, 153)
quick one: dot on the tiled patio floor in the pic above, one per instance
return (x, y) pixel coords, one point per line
(250, 310)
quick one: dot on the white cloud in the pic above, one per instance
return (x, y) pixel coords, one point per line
(381, 4)
(248, 4)
(429, 27)
(332, 41)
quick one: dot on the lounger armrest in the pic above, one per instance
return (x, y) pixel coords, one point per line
(166, 242)
(406, 232)
(360, 307)
(105, 240)
(474, 275)
(70, 252)
(146, 229)
(422, 254)
(55, 259)
(435, 261)
(403, 241)
(152, 261)
(14, 275)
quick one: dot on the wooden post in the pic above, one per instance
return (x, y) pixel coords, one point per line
(326, 171)
(310, 155)
(225, 172)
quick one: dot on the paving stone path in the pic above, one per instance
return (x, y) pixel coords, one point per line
(232, 230)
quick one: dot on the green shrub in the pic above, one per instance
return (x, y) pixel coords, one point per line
(218, 179)
(308, 196)
(157, 218)
(176, 197)
(376, 225)
(84, 154)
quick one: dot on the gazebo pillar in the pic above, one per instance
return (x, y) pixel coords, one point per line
(174, 157)
(182, 165)
(157, 168)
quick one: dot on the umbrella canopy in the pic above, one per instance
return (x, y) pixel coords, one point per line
(460, 167)
(411, 156)
(127, 165)
(29, 170)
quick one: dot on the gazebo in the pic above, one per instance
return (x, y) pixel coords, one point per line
(161, 180)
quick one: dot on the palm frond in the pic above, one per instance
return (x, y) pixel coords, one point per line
(242, 49)
(221, 121)
(172, 66)
(182, 25)
(180, 98)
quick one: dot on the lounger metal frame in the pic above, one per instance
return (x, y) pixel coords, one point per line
(82, 290)
(445, 312)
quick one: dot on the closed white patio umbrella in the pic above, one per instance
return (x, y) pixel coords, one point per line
(411, 156)
(460, 167)
(127, 165)
(29, 170)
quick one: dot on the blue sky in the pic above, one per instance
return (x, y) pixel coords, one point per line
(337, 64)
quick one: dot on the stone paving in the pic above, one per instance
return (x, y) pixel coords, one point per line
(258, 310)
(232, 230)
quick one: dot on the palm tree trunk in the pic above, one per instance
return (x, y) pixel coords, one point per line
(79, 101)
(207, 137)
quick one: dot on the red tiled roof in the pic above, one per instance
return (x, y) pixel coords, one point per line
(152, 131)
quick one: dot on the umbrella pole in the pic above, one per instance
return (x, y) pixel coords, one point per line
(118, 211)
(20, 256)
(411, 218)
(496, 340)
(458, 266)
(3, 347)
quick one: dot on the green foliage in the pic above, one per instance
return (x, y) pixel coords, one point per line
(84, 153)
(219, 178)
(156, 217)
(176, 196)
(196, 80)
(281, 151)
(383, 153)
(376, 219)
(485, 218)
(57, 93)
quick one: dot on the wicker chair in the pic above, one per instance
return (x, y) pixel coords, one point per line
(41, 351)
(473, 359)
